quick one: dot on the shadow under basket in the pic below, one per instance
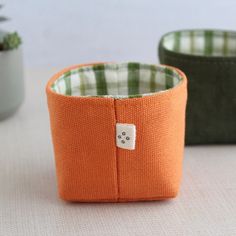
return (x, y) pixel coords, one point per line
(208, 57)
(118, 131)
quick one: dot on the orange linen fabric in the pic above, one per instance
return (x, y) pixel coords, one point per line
(90, 168)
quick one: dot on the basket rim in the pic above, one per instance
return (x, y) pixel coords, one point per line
(49, 91)
(195, 57)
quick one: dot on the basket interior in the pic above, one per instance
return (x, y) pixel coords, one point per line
(202, 42)
(116, 80)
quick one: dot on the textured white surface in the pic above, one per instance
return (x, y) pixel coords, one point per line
(29, 205)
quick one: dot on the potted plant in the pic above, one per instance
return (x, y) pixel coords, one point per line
(11, 72)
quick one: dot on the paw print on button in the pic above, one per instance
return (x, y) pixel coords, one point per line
(125, 136)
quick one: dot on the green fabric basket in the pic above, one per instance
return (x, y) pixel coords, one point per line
(208, 57)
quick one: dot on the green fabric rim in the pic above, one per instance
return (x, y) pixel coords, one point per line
(122, 80)
(202, 43)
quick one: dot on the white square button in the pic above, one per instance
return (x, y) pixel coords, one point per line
(125, 136)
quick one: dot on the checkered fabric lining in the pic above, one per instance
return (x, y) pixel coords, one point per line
(125, 80)
(202, 42)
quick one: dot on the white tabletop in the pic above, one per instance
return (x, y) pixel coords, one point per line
(29, 205)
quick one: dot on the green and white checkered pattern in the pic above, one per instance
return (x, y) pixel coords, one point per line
(125, 80)
(201, 42)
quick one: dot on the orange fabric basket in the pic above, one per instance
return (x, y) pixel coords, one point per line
(90, 104)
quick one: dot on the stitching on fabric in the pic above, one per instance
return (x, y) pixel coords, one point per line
(121, 200)
(117, 160)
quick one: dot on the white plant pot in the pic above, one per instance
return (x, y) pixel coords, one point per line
(11, 82)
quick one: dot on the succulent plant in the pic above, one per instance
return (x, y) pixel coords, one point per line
(10, 40)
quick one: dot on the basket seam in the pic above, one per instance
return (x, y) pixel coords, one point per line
(116, 156)
(121, 200)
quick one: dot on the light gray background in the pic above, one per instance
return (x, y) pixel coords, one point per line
(61, 33)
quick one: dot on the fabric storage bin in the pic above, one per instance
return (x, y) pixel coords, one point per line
(118, 131)
(208, 57)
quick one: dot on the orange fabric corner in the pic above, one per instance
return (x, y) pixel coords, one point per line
(91, 168)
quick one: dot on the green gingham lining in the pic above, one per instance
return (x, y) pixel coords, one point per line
(202, 42)
(125, 80)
